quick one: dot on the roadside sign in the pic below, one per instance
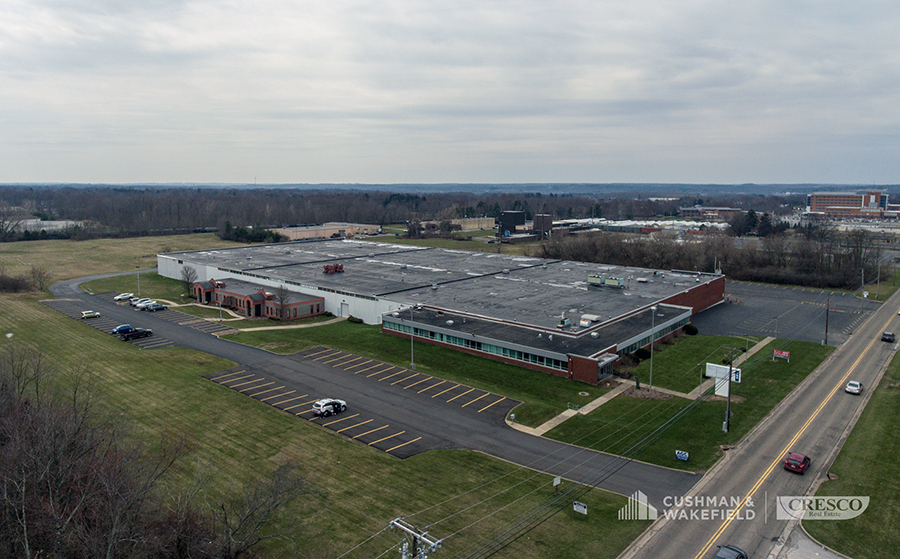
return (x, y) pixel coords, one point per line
(580, 507)
(781, 355)
(681, 455)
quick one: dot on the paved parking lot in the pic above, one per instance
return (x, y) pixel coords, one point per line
(385, 417)
(104, 323)
(793, 313)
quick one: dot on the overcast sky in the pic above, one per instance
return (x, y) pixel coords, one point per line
(408, 91)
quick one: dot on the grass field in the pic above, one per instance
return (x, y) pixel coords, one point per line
(462, 495)
(764, 383)
(868, 466)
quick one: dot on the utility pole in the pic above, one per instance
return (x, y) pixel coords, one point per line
(827, 307)
(731, 351)
(418, 544)
(138, 275)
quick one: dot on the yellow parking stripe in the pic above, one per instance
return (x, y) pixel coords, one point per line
(447, 390)
(386, 438)
(300, 404)
(255, 387)
(341, 419)
(372, 431)
(290, 399)
(420, 382)
(351, 361)
(476, 399)
(358, 364)
(248, 382)
(463, 394)
(401, 371)
(404, 444)
(352, 426)
(327, 356)
(403, 379)
(367, 368)
(430, 387)
(317, 353)
(229, 374)
(239, 378)
(492, 403)
(264, 391)
(335, 359)
(278, 395)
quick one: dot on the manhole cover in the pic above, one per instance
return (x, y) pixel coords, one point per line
(584, 394)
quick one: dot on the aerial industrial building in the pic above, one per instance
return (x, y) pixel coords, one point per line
(570, 319)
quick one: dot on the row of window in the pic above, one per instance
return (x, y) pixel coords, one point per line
(480, 346)
(645, 341)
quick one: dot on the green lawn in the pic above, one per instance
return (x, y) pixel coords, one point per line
(867, 466)
(544, 396)
(699, 432)
(679, 366)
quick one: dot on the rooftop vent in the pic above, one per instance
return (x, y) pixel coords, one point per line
(449, 323)
(594, 334)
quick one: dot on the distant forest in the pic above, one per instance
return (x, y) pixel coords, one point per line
(127, 211)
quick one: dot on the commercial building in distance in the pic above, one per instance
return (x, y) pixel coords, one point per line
(570, 319)
(849, 205)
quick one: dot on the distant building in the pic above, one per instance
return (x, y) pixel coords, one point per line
(331, 230)
(463, 224)
(702, 213)
(510, 221)
(848, 205)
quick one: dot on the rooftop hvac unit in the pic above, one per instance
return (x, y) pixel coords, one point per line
(594, 334)
(433, 286)
(505, 270)
(449, 323)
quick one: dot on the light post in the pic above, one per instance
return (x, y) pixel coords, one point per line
(136, 273)
(412, 361)
(652, 327)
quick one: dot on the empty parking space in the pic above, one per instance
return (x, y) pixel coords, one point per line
(73, 307)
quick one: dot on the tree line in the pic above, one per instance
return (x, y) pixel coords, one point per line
(74, 484)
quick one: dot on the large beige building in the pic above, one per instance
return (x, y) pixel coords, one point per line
(331, 230)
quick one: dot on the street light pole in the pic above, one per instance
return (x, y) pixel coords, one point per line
(136, 273)
(652, 327)
(412, 361)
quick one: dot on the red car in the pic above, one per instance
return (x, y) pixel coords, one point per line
(796, 462)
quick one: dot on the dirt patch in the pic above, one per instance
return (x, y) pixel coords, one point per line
(644, 394)
(609, 383)
(714, 398)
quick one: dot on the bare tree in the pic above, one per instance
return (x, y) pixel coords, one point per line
(188, 278)
(9, 222)
(282, 299)
(40, 277)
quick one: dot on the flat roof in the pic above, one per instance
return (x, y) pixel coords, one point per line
(518, 289)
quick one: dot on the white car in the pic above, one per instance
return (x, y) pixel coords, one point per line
(329, 406)
(136, 302)
(854, 387)
(145, 304)
(123, 296)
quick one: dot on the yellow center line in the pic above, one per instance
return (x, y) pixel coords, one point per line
(341, 419)
(401, 380)
(386, 438)
(430, 387)
(238, 378)
(264, 391)
(786, 449)
(352, 426)
(278, 395)
(389, 376)
(351, 361)
(248, 382)
(255, 387)
(420, 382)
(290, 399)
(367, 368)
(229, 374)
(317, 352)
(492, 403)
(358, 365)
(475, 400)
(327, 356)
(463, 394)
(372, 431)
(447, 390)
(404, 444)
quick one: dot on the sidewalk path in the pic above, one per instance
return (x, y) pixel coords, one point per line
(622, 387)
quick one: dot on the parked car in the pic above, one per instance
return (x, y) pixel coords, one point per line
(155, 307)
(121, 329)
(796, 462)
(123, 296)
(887, 337)
(853, 387)
(143, 306)
(329, 406)
(90, 314)
(730, 552)
(136, 301)
(136, 333)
